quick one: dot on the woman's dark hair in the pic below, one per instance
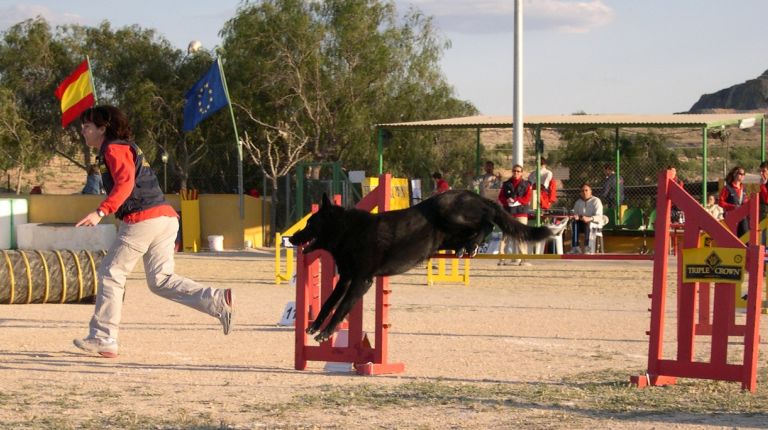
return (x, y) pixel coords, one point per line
(731, 176)
(115, 121)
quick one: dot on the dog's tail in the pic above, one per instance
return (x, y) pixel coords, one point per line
(515, 229)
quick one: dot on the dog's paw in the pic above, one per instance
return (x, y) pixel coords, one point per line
(475, 250)
(322, 337)
(311, 329)
(460, 252)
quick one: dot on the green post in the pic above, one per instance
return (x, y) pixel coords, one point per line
(477, 153)
(336, 187)
(704, 167)
(300, 190)
(381, 150)
(617, 204)
(762, 139)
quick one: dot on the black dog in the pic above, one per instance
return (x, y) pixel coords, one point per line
(365, 245)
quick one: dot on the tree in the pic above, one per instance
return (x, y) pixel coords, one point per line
(18, 143)
(24, 82)
(323, 72)
(309, 80)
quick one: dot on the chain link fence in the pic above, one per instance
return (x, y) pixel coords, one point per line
(575, 157)
(638, 156)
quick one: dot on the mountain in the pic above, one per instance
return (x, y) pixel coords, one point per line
(752, 95)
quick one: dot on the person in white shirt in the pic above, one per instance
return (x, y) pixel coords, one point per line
(547, 193)
(588, 209)
(713, 208)
(488, 184)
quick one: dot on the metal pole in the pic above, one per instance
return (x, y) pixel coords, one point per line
(704, 166)
(238, 141)
(478, 163)
(517, 137)
(762, 139)
(539, 186)
(380, 138)
(93, 83)
(617, 155)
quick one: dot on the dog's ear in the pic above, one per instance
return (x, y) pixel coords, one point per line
(326, 202)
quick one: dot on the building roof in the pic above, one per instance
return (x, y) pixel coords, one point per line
(608, 121)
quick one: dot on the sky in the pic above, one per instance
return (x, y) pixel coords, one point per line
(593, 56)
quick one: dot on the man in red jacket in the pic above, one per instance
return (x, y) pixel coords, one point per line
(515, 198)
(441, 185)
(547, 192)
(148, 229)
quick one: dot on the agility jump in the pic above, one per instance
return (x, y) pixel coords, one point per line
(699, 267)
(315, 280)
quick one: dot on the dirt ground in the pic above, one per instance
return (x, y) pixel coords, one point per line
(513, 328)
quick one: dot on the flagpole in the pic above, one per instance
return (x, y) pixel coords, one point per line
(237, 140)
(93, 83)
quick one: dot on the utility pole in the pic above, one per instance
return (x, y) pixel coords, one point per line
(517, 138)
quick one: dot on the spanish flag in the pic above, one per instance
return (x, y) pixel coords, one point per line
(75, 93)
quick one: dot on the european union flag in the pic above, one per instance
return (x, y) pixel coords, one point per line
(205, 98)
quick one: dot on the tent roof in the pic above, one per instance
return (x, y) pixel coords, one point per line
(607, 121)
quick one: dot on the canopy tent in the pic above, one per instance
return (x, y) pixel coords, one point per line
(705, 122)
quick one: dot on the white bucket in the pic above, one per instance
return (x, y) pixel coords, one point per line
(216, 242)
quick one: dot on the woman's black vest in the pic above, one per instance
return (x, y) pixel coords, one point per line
(146, 191)
(763, 208)
(510, 191)
(733, 196)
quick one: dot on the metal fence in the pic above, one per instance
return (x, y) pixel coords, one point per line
(575, 157)
(639, 158)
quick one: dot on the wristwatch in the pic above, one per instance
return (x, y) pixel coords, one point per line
(101, 213)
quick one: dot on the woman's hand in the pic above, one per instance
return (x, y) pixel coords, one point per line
(90, 220)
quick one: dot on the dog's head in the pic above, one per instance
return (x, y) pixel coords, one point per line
(322, 229)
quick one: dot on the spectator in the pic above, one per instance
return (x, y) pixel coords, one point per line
(608, 195)
(588, 209)
(37, 189)
(515, 197)
(441, 185)
(547, 192)
(732, 196)
(675, 215)
(93, 184)
(487, 184)
(713, 208)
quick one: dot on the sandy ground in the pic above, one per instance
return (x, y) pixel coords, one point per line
(512, 325)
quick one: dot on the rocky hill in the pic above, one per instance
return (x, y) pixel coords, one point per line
(751, 95)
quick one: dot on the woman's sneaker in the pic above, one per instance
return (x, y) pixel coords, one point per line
(228, 309)
(105, 347)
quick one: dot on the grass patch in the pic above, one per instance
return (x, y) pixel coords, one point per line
(580, 400)
(122, 421)
(593, 393)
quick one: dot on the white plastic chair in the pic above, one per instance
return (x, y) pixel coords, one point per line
(557, 237)
(596, 243)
